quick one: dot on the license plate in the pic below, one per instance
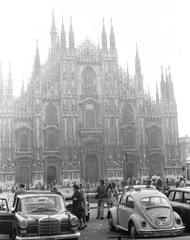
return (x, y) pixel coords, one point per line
(162, 221)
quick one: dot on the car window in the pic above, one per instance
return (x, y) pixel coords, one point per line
(186, 197)
(123, 200)
(153, 201)
(42, 202)
(3, 205)
(171, 195)
(130, 202)
(178, 196)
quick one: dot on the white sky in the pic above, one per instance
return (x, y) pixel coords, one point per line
(160, 28)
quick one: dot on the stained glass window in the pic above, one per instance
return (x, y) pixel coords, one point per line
(90, 119)
(51, 141)
(23, 142)
(153, 139)
(51, 114)
(128, 114)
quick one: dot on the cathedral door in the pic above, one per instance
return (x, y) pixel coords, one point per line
(24, 175)
(91, 169)
(51, 174)
(130, 170)
(155, 170)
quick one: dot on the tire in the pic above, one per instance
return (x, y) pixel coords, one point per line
(88, 217)
(110, 223)
(132, 230)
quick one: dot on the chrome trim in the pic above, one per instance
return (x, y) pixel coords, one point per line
(56, 237)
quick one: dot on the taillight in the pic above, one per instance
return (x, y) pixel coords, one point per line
(143, 223)
(178, 220)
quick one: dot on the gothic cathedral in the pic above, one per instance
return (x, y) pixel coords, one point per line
(83, 117)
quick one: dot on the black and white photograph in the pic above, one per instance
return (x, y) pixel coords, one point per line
(94, 119)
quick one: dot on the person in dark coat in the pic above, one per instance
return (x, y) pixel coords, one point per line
(77, 203)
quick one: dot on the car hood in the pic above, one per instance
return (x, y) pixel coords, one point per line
(32, 216)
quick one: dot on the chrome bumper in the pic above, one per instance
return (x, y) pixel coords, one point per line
(55, 237)
(162, 232)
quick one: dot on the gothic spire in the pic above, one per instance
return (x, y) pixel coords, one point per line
(104, 39)
(171, 89)
(112, 39)
(162, 83)
(63, 38)
(37, 60)
(71, 36)
(53, 33)
(10, 82)
(137, 62)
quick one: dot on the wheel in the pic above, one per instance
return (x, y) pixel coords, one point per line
(132, 230)
(110, 223)
(88, 217)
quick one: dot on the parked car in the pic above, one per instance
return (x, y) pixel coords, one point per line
(67, 193)
(138, 188)
(38, 216)
(145, 213)
(180, 201)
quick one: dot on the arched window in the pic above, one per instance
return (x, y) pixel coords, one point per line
(129, 140)
(51, 115)
(88, 80)
(153, 139)
(23, 142)
(51, 141)
(90, 119)
(128, 114)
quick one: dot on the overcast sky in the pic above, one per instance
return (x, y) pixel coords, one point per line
(159, 27)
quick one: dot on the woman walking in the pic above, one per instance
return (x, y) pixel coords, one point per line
(83, 195)
(109, 192)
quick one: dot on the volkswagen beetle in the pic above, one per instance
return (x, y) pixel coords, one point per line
(145, 213)
(39, 216)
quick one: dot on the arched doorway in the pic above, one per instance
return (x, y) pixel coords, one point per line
(155, 169)
(24, 175)
(91, 169)
(51, 174)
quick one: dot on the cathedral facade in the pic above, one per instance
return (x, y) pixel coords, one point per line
(83, 117)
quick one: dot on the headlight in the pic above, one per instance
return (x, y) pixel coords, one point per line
(23, 223)
(74, 221)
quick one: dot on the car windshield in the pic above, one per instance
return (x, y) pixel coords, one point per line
(157, 209)
(41, 204)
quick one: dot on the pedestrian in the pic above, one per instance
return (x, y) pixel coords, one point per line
(55, 190)
(78, 208)
(115, 193)
(159, 184)
(182, 183)
(21, 190)
(109, 193)
(101, 199)
(83, 194)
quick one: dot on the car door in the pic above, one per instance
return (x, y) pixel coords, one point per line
(128, 211)
(121, 208)
(175, 198)
(6, 218)
(185, 208)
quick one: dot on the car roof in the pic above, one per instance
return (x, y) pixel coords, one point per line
(145, 193)
(181, 189)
